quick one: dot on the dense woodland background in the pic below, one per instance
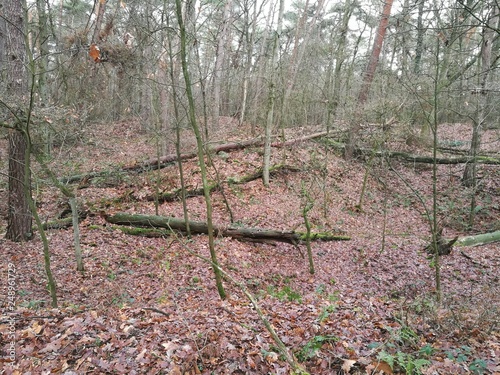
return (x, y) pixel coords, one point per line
(341, 157)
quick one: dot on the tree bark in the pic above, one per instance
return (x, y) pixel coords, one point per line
(219, 61)
(368, 78)
(271, 98)
(374, 57)
(198, 227)
(19, 219)
(479, 239)
(419, 48)
(201, 150)
(469, 176)
(101, 8)
(340, 57)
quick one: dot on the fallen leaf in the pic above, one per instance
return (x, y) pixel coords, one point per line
(347, 365)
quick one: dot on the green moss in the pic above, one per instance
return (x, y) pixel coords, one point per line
(323, 236)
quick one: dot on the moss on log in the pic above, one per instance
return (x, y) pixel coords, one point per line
(144, 232)
(197, 227)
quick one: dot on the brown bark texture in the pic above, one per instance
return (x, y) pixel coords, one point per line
(19, 223)
(19, 219)
(368, 78)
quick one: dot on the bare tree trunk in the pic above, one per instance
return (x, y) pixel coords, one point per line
(201, 153)
(303, 32)
(173, 63)
(469, 176)
(419, 49)
(219, 62)
(42, 66)
(19, 226)
(341, 55)
(19, 220)
(271, 98)
(101, 8)
(249, 40)
(258, 87)
(374, 57)
(368, 77)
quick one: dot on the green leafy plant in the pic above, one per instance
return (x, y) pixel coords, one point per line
(311, 348)
(285, 293)
(400, 353)
(459, 355)
(320, 289)
(408, 363)
(122, 300)
(478, 366)
(463, 354)
(325, 313)
(34, 304)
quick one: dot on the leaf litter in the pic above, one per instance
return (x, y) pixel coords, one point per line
(145, 305)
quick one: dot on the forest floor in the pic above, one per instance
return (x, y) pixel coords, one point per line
(149, 306)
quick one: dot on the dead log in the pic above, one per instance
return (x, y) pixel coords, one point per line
(164, 161)
(144, 166)
(429, 159)
(298, 140)
(479, 159)
(275, 169)
(63, 222)
(58, 223)
(176, 194)
(479, 239)
(197, 227)
(444, 247)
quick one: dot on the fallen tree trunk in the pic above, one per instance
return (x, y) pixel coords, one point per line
(479, 159)
(64, 222)
(176, 194)
(147, 165)
(298, 140)
(153, 164)
(479, 239)
(197, 227)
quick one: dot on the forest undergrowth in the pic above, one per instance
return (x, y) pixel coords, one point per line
(146, 305)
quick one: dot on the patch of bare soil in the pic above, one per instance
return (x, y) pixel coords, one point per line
(148, 306)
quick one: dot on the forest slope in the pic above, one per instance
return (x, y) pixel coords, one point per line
(146, 305)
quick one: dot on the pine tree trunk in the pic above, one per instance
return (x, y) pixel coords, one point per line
(19, 219)
(19, 226)
(368, 78)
